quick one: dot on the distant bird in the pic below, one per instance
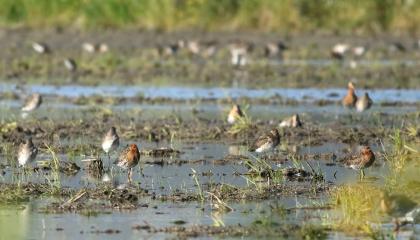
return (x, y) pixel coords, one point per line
(209, 49)
(398, 46)
(32, 103)
(234, 114)
(89, 47)
(293, 121)
(193, 47)
(238, 53)
(274, 49)
(41, 48)
(95, 47)
(266, 142)
(171, 49)
(103, 47)
(397, 206)
(364, 159)
(358, 51)
(70, 64)
(27, 152)
(128, 159)
(339, 50)
(111, 141)
(350, 99)
(364, 103)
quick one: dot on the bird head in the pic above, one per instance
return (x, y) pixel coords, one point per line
(367, 152)
(133, 147)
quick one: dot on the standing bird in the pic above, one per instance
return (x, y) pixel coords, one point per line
(238, 53)
(397, 206)
(111, 141)
(128, 159)
(70, 64)
(234, 114)
(27, 152)
(339, 50)
(350, 99)
(358, 51)
(193, 47)
(274, 49)
(32, 103)
(41, 48)
(95, 47)
(363, 160)
(364, 103)
(266, 142)
(293, 122)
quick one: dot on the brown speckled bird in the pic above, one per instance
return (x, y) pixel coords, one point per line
(396, 206)
(293, 121)
(350, 99)
(129, 158)
(234, 114)
(110, 141)
(364, 103)
(32, 103)
(27, 152)
(363, 160)
(266, 142)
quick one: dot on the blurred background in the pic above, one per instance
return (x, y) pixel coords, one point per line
(362, 17)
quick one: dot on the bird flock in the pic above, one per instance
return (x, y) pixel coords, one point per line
(129, 157)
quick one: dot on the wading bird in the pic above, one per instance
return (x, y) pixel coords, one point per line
(350, 99)
(128, 159)
(364, 159)
(266, 142)
(27, 152)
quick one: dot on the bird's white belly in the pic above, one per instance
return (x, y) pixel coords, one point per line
(107, 145)
(231, 119)
(23, 158)
(265, 147)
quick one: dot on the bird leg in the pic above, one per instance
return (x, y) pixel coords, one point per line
(362, 174)
(109, 160)
(397, 225)
(130, 174)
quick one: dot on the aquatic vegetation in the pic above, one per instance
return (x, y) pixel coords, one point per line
(358, 207)
(54, 181)
(310, 232)
(242, 124)
(200, 191)
(300, 15)
(14, 194)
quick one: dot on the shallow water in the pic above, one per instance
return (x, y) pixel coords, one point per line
(172, 176)
(183, 93)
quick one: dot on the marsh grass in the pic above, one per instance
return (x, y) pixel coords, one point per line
(267, 15)
(357, 206)
(242, 124)
(200, 191)
(54, 181)
(398, 155)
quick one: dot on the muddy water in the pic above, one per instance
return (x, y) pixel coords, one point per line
(176, 172)
(169, 178)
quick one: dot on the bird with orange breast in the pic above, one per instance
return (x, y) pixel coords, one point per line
(350, 99)
(363, 160)
(128, 159)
